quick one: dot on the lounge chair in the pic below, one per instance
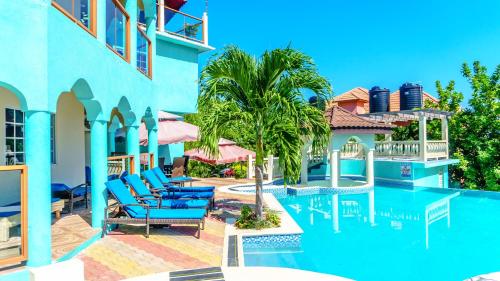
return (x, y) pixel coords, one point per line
(133, 212)
(168, 183)
(175, 192)
(71, 194)
(146, 196)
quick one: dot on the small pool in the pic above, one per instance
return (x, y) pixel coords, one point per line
(391, 234)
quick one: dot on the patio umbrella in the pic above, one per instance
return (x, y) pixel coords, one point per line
(171, 129)
(229, 152)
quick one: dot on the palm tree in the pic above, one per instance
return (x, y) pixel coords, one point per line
(264, 96)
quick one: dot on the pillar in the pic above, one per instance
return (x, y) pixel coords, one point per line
(444, 133)
(153, 144)
(334, 168)
(133, 146)
(304, 167)
(131, 8)
(270, 167)
(422, 137)
(37, 152)
(111, 143)
(205, 28)
(370, 177)
(99, 169)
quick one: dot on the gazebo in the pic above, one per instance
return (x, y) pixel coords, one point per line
(346, 126)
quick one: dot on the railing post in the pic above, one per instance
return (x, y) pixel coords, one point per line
(422, 137)
(444, 134)
(205, 28)
(334, 168)
(370, 177)
(161, 17)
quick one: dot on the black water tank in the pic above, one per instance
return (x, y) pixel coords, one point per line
(410, 96)
(379, 99)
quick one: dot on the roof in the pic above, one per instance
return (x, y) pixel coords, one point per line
(358, 93)
(394, 100)
(407, 115)
(339, 119)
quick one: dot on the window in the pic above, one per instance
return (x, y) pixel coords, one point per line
(14, 136)
(79, 11)
(53, 138)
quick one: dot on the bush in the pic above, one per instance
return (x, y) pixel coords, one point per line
(248, 219)
(240, 170)
(199, 169)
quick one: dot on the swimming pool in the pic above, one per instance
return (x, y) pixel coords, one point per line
(391, 234)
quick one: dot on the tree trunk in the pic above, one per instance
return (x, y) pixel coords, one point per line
(259, 175)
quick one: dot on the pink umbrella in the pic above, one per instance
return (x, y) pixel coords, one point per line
(171, 129)
(229, 152)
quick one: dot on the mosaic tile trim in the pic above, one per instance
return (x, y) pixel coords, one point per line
(272, 241)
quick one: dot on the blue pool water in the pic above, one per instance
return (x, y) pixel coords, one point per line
(392, 234)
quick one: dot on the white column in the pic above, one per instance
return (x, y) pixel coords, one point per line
(205, 28)
(370, 177)
(304, 165)
(270, 167)
(444, 133)
(334, 168)
(249, 167)
(161, 18)
(422, 137)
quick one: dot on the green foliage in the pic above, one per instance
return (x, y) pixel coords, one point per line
(240, 170)
(200, 169)
(248, 219)
(474, 132)
(262, 100)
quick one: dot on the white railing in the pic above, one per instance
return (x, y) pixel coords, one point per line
(397, 149)
(351, 150)
(437, 149)
(271, 168)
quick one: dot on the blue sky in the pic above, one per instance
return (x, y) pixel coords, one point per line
(366, 42)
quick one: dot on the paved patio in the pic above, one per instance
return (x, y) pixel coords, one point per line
(126, 253)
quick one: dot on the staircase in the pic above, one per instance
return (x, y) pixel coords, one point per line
(210, 273)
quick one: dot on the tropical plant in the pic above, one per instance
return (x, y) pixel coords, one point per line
(263, 95)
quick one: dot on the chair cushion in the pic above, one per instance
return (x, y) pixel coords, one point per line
(174, 214)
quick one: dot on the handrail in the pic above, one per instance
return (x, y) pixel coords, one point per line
(91, 29)
(179, 12)
(24, 214)
(124, 158)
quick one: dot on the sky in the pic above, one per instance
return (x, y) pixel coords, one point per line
(365, 42)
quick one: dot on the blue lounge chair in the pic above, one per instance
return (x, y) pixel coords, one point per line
(72, 194)
(154, 200)
(167, 182)
(137, 213)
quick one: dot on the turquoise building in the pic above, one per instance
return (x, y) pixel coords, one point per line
(72, 72)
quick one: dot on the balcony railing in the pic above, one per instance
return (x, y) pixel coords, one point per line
(144, 53)
(14, 219)
(403, 149)
(181, 24)
(437, 149)
(82, 12)
(119, 164)
(117, 29)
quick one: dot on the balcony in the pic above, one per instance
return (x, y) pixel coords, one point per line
(182, 25)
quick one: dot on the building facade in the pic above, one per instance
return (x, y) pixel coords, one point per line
(72, 71)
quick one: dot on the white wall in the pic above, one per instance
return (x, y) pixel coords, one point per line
(9, 181)
(7, 100)
(70, 142)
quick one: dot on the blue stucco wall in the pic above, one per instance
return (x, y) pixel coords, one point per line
(44, 54)
(170, 151)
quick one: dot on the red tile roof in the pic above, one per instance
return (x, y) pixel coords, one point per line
(339, 118)
(358, 93)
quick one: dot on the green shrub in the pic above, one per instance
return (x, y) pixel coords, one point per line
(248, 219)
(240, 170)
(199, 169)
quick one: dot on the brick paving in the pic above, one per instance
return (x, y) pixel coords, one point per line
(126, 253)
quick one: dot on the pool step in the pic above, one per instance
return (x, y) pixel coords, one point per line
(209, 273)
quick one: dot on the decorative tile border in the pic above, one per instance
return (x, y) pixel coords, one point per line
(272, 241)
